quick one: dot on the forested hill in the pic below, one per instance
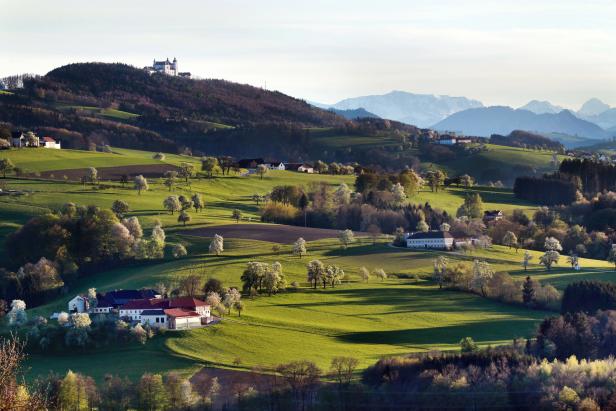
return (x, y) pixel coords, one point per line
(213, 100)
(116, 104)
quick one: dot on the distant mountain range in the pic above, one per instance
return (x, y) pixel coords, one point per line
(421, 110)
(486, 121)
(595, 120)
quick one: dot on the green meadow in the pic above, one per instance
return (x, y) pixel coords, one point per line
(404, 314)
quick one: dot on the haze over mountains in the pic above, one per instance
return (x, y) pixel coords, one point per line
(595, 120)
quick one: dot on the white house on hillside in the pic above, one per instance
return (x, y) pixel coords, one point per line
(48, 142)
(432, 239)
(79, 304)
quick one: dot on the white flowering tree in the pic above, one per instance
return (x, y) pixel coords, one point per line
(482, 273)
(526, 259)
(346, 237)
(364, 273)
(17, 316)
(380, 274)
(398, 193)
(299, 247)
(179, 251)
(552, 256)
(440, 266)
(342, 195)
(217, 245)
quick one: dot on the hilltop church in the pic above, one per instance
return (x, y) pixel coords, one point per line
(167, 67)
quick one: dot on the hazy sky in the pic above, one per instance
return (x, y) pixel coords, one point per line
(500, 52)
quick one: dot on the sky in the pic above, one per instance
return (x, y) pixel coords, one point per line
(499, 52)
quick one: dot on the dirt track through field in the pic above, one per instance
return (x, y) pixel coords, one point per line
(276, 233)
(111, 173)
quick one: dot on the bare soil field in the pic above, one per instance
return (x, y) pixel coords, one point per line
(275, 233)
(110, 173)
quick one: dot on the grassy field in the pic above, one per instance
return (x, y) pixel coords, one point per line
(368, 320)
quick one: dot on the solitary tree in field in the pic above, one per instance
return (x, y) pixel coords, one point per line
(526, 259)
(612, 255)
(123, 180)
(510, 240)
(346, 237)
(6, 166)
(236, 215)
(170, 177)
(482, 273)
(440, 268)
(179, 251)
(197, 201)
(120, 207)
(315, 271)
(299, 247)
(552, 255)
(573, 259)
(187, 170)
(239, 307)
(184, 218)
(467, 181)
(333, 275)
(380, 274)
(262, 170)
(217, 245)
(92, 175)
(209, 165)
(141, 184)
(172, 204)
(364, 273)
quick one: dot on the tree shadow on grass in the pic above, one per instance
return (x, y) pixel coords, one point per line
(481, 331)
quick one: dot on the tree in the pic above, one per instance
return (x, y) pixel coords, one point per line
(17, 315)
(72, 394)
(197, 201)
(299, 247)
(172, 204)
(552, 244)
(526, 259)
(482, 273)
(333, 275)
(612, 255)
(216, 245)
(346, 237)
(549, 258)
(274, 279)
(423, 226)
(179, 251)
(6, 166)
(213, 284)
(435, 179)
(472, 206)
(262, 170)
(134, 227)
(120, 208)
(440, 268)
(184, 218)
(399, 194)
(468, 345)
(231, 297)
(14, 395)
(151, 393)
(467, 181)
(253, 276)
(379, 273)
(214, 300)
(510, 240)
(187, 170)
(209, 165)
(170, 177)
(236, 215)
(364, 273)
(315, 271)
(573, 259)
(239, 307)
(92, 175)
(300, 376)
(158, 156)
(141, 184)
(445, 227)
(528, 291)
(342, 369)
